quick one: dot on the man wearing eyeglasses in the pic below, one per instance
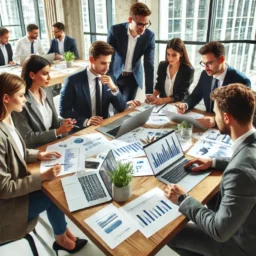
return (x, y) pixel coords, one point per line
(216, 73)
(62, 43)
(131, 41)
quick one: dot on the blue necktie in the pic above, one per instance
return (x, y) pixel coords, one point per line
(215, 86)
(32, 47)
(98, 99)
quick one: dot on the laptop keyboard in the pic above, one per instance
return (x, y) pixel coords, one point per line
(92, 187)
(114, 131)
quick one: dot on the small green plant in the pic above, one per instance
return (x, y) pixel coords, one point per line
(122, 175)
(69, 56)
(184, 124)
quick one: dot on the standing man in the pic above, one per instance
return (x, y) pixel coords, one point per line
(62, 43)
(5, 48)
(216, 74)
(131, 41)
(229, 228)
(29, 44)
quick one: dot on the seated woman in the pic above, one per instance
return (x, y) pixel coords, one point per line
(174, 75)
(38, 123)
(21, 198)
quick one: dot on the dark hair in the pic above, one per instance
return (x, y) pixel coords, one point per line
(31, 27)
(34, 63)
(98, 48)
(59, 26)
(9, 84)
(237, 100)
(178, 46)
(139, 9)
(215, 47)
(3, 31)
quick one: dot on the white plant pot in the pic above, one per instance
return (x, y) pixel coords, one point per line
(122, 194)
(69, 64)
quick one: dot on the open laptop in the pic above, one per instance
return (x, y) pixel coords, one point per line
(50, 57)
(86, 189)
(167, 161)
(125, 124)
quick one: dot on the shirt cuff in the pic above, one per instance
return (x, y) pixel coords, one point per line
(85, 123)
(116, 92)
(186, 106)
(213, 162)
(184, 200)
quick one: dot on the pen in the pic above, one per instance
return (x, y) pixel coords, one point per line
(76, 126)
(50, 165)
(178, 107)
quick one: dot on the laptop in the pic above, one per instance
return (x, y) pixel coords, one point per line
(86, 189)
(125, 124)
(50, 57)
(167, 161)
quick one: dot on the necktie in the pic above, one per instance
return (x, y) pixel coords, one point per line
(98, 99)
(215, 86)
(32, 47)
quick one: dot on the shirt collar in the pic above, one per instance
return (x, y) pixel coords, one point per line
(62, 39)
(10, 126)
(129, 33)
(221, 77)
(42, 92)
(90, 75)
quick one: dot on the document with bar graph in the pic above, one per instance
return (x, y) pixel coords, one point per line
(151, 211)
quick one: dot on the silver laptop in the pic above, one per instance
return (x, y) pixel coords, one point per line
(87, 189)
(50, 57)
(167, 161)
(23, 58)
(125, 124)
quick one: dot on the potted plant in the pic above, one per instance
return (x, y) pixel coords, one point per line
(185, 130)
(121, 182)
(69, 58)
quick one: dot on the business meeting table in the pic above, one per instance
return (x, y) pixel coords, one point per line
(136, 244)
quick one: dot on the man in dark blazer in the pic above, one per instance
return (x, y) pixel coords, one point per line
(229, 228)
(87, 94)
(5, 48)
(62, 43)
(131, 41)
(216, 74)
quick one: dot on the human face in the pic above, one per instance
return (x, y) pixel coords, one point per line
(33, 34)
(173, 57)
(4, 38)
(57, 32)
(219, 119)
(15, 102)
(212, 65)
(139, 23)
(100, 66)
(42, 77)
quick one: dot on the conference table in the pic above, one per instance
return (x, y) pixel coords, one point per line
(136, 244)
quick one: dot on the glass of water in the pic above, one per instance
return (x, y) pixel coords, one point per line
(186, 132)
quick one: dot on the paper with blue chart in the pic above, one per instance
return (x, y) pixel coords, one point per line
(141, 166)
(111, 225)
(151, 211)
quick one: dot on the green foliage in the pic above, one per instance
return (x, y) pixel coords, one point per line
(69, 56)
(184, 124)
(122, 176)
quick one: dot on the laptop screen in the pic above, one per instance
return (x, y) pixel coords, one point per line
(163, 152)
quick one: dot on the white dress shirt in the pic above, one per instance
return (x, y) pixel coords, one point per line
(23, 47)
(220, 78)
(132, 41)
(4, 51)
(61, 45)
(169, 82)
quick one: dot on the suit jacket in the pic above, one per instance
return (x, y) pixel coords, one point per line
(183, 80)
(75, 100)
(30, 124)
(15, 186)
(235, 217)
(118, 38)
(203, 88)
(9, 52)
(69, 45)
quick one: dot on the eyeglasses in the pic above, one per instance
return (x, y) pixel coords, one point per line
(55, 32)
(141, 25)
(207, 64)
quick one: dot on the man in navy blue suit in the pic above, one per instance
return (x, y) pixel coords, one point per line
(5, 48)
(216, 73)
(131, 41)
(62, 43)
(87, 94)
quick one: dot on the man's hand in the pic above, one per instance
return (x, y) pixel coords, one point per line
(207, 121)
(133, 103)
(11, 62)
(161, 101)
(173, 191)
(51, 173)
(94, 120)
(57, 56)
(150, 98)
(108, 81)
(181, 107)
(44, 156)
(203, 164)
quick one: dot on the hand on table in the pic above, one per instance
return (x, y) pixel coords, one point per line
(94, 120)
(203, 164)
(207, 121)
(133, 103)
(44, 156)
(173, 191)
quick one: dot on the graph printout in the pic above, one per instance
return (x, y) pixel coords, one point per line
(111, 226)
(151, 211)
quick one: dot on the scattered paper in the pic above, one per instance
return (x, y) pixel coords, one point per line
(157, 120)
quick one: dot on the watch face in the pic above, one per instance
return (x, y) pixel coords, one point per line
(181, 198)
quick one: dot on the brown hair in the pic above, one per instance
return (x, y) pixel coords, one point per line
(215, 47)
(178, 46)
(237, 100)
(59, 26)
(9, 84)
(31, 27)
(3, 31)
(100, 48)
(139, 9)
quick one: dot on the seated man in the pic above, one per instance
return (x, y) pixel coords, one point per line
(29, 44)
(87, 94)
(5, 48)
(229, 228)
(216, 74)
(62, 43)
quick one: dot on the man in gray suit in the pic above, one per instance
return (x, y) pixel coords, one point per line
(229, 228)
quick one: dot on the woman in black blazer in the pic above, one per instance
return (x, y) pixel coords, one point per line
(174, 75)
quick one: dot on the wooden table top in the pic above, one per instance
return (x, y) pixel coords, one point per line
(136, 244)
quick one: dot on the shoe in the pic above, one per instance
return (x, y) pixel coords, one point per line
(80, 243)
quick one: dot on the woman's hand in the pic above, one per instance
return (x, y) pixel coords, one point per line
(66, 126)
(51, 173)
(44, 156)
(161, 101)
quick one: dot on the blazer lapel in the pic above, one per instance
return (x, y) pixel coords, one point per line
(49, 100)
(137, 50)
(226, 78)
(86, 90)
(125, 41)
(2, 58)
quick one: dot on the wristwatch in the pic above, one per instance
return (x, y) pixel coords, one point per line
(181, 198)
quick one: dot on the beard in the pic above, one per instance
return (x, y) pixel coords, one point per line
(223, 128)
